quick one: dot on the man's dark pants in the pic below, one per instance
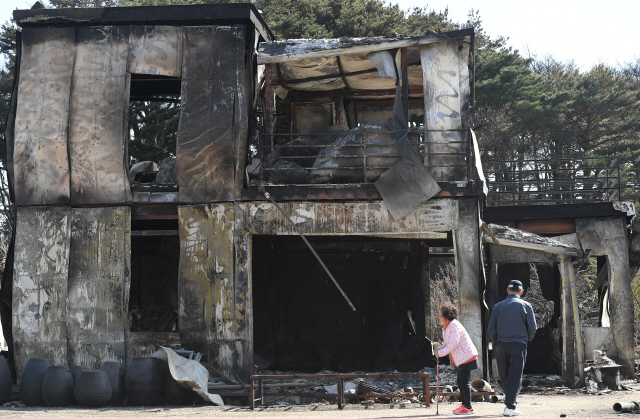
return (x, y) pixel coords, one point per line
(510, 357)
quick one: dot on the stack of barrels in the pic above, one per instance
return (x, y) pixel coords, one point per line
(147, 382)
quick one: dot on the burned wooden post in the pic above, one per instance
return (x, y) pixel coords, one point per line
(569, 367)
(467, 249)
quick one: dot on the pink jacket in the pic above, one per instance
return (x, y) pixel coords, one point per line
(457, 344)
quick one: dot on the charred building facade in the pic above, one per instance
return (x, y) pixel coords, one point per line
(361, 145)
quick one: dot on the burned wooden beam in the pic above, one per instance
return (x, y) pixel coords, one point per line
(201, 14)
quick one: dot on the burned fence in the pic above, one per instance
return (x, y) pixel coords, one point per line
(553, 181)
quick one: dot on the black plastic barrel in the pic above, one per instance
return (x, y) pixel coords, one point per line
(57, 387)
(116, 372)
(31, 379)
(5, 381)
(175, 394)
(93, 389)
(144, 382)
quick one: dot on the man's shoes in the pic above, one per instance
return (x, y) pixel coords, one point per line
(463, 411)
(459, 406)
(511, 412)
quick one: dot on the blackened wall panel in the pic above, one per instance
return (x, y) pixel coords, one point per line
(205, 144)
(41, 268)
(214, 302)
(98, 285)
(41, 125)
(155, 50)
(444, 95)
(242, 115)
(98, 111)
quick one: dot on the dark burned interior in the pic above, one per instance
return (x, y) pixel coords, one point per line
(302, 322)
(155, 257)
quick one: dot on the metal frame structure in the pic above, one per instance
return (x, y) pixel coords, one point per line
(563, 180)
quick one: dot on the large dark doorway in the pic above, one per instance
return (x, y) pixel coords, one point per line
(302, 322)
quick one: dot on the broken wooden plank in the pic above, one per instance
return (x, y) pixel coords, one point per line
(354, 218)
(97, 131)
(569, 251)
(293, 50)
(155, 50)
(205, 143)
(41, 270)
(41, 165)
(99, 279)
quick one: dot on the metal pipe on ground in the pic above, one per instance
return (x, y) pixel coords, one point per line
(626, 407)
(481, 385)
(496, 398)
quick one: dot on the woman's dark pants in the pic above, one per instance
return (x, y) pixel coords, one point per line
(464, 382)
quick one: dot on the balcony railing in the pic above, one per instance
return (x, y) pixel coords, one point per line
(358, 156)
(567, 180)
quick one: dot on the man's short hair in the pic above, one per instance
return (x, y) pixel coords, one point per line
(515, 285)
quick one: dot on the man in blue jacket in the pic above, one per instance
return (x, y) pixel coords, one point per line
(511, 326)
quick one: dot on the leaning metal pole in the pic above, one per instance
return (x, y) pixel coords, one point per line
(273, 201)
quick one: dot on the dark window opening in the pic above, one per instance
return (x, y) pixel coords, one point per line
(302, 322)
(154, 113)
(155, 256)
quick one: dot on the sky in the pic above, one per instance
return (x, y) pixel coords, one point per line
(586, 32)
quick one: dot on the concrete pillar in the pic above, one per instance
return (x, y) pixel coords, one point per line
(468, 260)
(607, 237)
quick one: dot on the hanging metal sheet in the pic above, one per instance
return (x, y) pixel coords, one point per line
(214, 303)
(40, 150)
(155, 50)
(206, 131)
(445, 120)
(41, 269)
(97, 301)
(99, 108)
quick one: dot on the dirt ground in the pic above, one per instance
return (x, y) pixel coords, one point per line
(573, 405)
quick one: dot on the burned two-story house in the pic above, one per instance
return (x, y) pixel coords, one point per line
(362, 146)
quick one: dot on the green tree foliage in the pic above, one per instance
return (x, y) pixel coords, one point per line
(154, 126)
(8, 51)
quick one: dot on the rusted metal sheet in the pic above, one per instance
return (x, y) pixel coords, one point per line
(155, 50)
(40, 151)
(214, 316)
(99, 109)
(355, 218)
(97, 301)
(206, 131)
(40, 284)
(443, 100)
(466, 239)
